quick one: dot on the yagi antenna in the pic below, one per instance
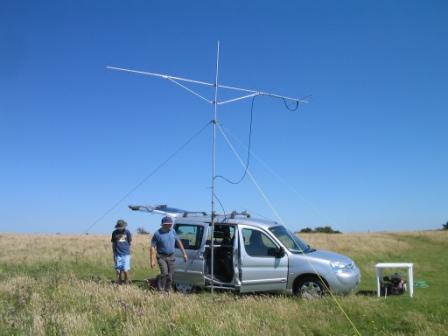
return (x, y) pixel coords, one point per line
(248, 93)
(176, 81)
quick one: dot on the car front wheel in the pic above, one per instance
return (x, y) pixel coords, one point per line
(309, 288)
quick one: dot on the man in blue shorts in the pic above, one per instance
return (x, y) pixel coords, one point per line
(121, 248)
(163, 244)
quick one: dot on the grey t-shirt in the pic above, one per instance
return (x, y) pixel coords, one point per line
(164, 241)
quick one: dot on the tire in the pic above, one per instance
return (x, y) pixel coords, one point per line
(183, 288)
(310, 287)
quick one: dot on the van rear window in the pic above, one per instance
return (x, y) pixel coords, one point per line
(190, 235)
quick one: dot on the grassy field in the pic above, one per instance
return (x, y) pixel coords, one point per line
(61, 285)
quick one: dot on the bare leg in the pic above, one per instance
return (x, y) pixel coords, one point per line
(126, 278)
(117, 277)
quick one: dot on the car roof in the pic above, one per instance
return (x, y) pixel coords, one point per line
(229, 220)
(200, 217)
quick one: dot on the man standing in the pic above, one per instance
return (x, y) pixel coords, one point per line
(162, 245)
(121, 248)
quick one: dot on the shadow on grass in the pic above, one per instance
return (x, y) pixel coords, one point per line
(366, 293)
(145, 284)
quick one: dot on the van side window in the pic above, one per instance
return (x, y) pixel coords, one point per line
(190, 235)
(224, 235)
(256, 243)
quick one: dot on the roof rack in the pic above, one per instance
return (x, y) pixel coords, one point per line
(244, 213)
(163, 209)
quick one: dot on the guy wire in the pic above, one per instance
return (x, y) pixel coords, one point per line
(147, 177)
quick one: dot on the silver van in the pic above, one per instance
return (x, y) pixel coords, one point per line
(252, 255)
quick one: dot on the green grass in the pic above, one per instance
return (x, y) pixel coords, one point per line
(59, 285)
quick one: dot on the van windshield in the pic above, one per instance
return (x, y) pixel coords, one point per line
(290, 240)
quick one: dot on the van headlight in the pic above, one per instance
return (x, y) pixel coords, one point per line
(340, 267)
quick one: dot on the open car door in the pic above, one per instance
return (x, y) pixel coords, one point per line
(193, 239)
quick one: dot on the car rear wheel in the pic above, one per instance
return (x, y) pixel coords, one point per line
(183, 288)
(309, 288)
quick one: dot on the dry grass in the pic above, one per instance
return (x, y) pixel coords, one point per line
(81, 307)
(76, 307)
(61, 302)
(28, 249)
(438, 236)
(356, 243)
(25, 249)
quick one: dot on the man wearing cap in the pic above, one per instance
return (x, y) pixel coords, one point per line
(162, 247)
(121, 248)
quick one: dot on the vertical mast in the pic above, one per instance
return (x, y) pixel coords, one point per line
(214, 121)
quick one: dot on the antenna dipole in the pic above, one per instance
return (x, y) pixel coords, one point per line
(248, 93)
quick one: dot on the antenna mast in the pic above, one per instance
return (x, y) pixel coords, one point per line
(214, 121)
(248, 93)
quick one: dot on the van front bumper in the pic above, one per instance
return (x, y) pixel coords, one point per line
(346, 282)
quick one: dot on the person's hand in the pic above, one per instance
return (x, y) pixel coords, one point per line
(185, 257)
(153, 264)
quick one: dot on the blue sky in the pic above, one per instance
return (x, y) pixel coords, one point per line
(368, 153)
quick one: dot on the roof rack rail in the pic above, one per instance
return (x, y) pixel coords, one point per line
(186, 213)
(163, 209)
(244, 213)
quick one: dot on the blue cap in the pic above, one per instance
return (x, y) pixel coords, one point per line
(167, 220)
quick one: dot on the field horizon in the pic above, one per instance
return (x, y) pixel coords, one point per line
(135, 232)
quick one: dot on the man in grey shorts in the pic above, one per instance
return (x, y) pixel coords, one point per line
(162, 246)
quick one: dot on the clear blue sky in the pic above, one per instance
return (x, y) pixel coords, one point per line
(368, 153)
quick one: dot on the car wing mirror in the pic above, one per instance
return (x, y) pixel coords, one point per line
(280, 252)
(277, 252)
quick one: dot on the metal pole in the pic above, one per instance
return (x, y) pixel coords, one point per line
(215, 112)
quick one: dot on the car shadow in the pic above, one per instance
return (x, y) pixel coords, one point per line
(366, 293)
(148, 284)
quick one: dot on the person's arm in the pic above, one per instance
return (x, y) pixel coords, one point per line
(181, 247)
(152, 256)
(152, 251)
(129, 239)
(112, 240)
